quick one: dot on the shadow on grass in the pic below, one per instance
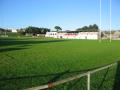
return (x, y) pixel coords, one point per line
(25, 42)
(74, 85)
(117, 78)
(22, 44)
(10, 49)
(57, 76)
(103, 80)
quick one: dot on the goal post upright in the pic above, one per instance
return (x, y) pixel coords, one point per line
(110, 20)
(100, 23)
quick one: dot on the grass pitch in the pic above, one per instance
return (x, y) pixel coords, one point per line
(27, 62)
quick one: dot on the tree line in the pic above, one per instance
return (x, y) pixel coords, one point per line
(2, 30)
(38, 30)
(90, 28)
(33, 30)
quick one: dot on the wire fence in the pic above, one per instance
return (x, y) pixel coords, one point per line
(74, 79)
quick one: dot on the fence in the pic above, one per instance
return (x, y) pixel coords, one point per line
(88, 73)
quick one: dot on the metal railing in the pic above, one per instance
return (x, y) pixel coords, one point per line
(88, 73)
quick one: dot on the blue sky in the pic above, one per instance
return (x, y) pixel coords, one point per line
(69, 14)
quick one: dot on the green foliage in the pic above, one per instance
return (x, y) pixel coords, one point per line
(28, 62)
(33, 30)
(90, 28)
(2, 30)
(21, 31)
(58, 28)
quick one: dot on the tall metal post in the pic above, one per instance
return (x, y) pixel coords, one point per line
(110, 21)
(100, 24)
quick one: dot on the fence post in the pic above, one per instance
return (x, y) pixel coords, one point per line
(88, 81)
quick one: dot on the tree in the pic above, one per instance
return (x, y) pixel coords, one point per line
(95, 27)
(36, 30)
(21, 31)
(29, 30)
(90, 28)
(33, 30)
(4, 31)
(58, 28)
(85, 28)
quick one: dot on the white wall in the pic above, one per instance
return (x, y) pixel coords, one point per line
(81, 35)
(51, 34)
(87, 35)
(14, 30)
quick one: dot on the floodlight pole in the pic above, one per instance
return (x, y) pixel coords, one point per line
(100, 24)
(110, 22)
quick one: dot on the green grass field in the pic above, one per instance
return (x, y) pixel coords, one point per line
(28, 62)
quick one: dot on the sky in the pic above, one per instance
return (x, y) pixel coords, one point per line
(68, 14)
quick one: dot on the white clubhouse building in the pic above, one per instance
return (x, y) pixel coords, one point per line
(80, 35)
